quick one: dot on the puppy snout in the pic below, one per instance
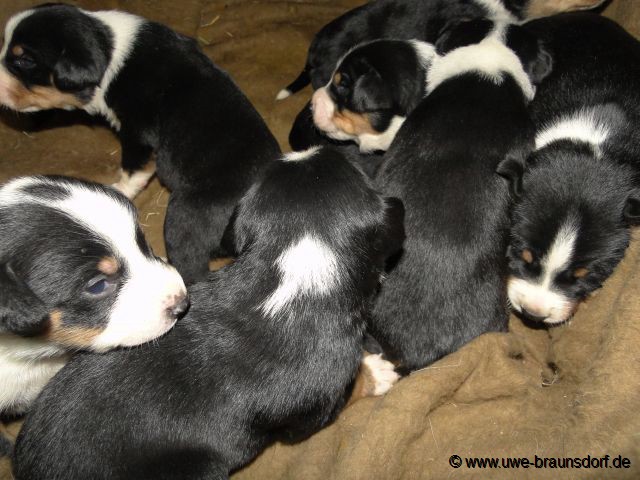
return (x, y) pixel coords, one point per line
(179, 306)
(322, 108)
(532, 317)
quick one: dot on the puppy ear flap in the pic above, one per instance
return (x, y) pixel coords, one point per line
(21, 311)
(394, 226)
(512, 168)
(541, 66)
(79, 73)
(371, 92)
(461, 32)
(631, 209)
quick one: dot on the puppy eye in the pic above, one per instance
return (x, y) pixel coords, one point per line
(24, 62)
(99, 286)
(527, 256)
(580, 272)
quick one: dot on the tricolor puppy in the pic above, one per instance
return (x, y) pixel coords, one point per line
(267, 351)
(162, 95)
(580, 191)
(75, 274)
(448, 286)
(372, 90)
(409, 19)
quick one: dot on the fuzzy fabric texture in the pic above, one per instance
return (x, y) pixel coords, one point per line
(570, 391)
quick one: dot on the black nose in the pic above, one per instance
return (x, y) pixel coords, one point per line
(180, 307)
(530, 316)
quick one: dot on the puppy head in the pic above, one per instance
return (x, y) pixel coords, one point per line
(77, 248)
(371, 91)
(53, 56)
(570, 228)
(336, 231)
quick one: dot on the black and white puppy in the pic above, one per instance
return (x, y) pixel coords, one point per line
(580, 191)
(448, 286)
(162, 95)
(267, 350)
(422, 20)
(75, 274)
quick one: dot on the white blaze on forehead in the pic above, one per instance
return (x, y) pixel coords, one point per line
(582, 126)
(490, 59)
(309, 267)
(539, 298)
(124, 29)
(12, 23)
(302, 155)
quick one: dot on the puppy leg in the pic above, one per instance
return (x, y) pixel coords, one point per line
(375, 378)
(136, 169)
(193, 229)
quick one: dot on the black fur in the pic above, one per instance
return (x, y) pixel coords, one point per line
(596, 70)
(448, 286)
(170, 99)
(230, 378)
(397, 19)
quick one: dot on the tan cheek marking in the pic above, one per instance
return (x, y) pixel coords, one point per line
(17, 50)
(78, 337)
(108, 265)
(39, 96)
(543, 8)
(353, 123)
(336, 79)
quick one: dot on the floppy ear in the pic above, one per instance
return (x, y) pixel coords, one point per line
(394, 234)
(21, 311)
(461, 32)
(631, 209)
(512, 168)
(79, 72)
(540, 66)
(371, 92)
(536, 60)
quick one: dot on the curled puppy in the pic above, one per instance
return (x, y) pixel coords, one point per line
(162, 95)
(579, 193)
(75, 274)
(266, 352)
(448, 286)
(570, 226)
(409, 19)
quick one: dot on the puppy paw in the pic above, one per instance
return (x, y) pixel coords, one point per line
(379, 375)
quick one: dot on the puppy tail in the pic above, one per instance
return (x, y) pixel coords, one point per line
(298, 84)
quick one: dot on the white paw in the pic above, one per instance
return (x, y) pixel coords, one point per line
(382, 374)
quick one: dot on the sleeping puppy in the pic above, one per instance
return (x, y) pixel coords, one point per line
(580, 192)
(75, 274)
(423, 20)
(266, 352)
(448, 286)
(162, 95)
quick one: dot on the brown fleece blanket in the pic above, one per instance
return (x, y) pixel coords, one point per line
(568, 392)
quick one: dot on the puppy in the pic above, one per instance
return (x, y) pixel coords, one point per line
(162, 95)
(448, 286)
(75, 274)
(266, 352)
(579, 193)
(409, 19)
